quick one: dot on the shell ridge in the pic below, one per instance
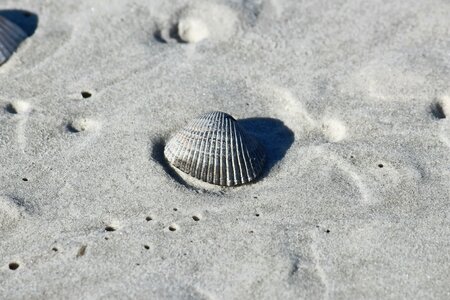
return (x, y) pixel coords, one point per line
(215, 154)
(238, 156)
(233, 153)
(210, 169)
(221, 157)
(4, 51)
(217, 161)
(5, 34)
(14, 28)
(192, 145)
(223, 150)
(179, 138)
(186, 147)
(200, 162)
(7, 43)
(173, 148)
(191, 159)
(177, 147)
(197, 148)
(227, 156)
(203, 166)
(12, 32)
(211, 165)
(14, 41)
(11, 36)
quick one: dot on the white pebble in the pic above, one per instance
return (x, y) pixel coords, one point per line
(192, 30)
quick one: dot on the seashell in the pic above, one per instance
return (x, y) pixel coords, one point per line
(11, 36)
(215, 149)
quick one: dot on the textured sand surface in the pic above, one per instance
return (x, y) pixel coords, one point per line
(349, 98)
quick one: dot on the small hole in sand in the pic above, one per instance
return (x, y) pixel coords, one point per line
(106, 238)
(148, 219)
(110, 228)
(25, 179)
(54, 249)
(173, 227)
(251, 231)
(380, 165)
(175, 209)
(196, 218)
(147, 247)
(327, 231)
(13, 266)
(86, 95)
(257, 215)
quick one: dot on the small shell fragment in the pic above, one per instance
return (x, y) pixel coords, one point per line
(11, 36)
(215, 149)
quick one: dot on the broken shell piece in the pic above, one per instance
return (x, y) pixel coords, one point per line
(11, 36)
(215, 149)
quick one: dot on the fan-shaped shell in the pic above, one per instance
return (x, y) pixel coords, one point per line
(11, 36)
(215, 149)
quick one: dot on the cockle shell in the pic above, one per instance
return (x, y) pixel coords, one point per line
(11, 36)
(215, 149)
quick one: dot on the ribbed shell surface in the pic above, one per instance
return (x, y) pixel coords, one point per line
(214, 148)
(11, 36)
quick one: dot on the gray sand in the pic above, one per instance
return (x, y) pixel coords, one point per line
(349, 98)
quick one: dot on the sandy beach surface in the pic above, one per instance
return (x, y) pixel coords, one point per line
(350, 99)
